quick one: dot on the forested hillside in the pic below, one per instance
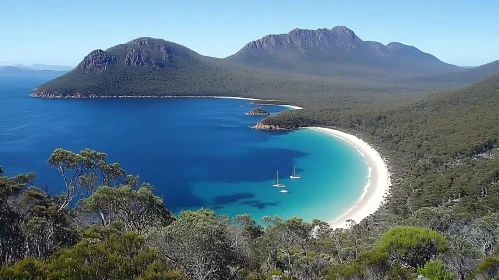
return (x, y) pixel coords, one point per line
(443, 148)
(458, 78)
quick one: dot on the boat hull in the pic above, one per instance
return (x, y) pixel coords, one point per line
(295, 177)
(279, 185)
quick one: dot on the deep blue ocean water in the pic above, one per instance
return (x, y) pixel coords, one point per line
(196, 152)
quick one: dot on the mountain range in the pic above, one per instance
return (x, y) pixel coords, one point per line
(336, 51)
(297, 64)
(39, 67)
(155, 67)
(17, 70)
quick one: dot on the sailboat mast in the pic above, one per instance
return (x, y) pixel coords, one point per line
(277, 176)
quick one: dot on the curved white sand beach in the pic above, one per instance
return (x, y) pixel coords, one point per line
(256, 99)
(376, 188)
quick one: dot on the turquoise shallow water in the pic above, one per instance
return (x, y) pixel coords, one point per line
(333, 177)
(195, 152)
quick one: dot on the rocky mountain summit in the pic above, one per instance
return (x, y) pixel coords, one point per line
(144, 51)
(97, 60)
(333, 51)
(303, 39)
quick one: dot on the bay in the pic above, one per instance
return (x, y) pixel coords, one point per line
(196, 152)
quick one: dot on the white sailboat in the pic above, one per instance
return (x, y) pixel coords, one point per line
(284, 191)
(294, 176)
(276, 181)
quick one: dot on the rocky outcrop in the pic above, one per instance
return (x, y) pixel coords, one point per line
(144, 52)
(47, 94)
(147, 52)
(303, 39)
(257, 112)
(97, 60)
(262, 126)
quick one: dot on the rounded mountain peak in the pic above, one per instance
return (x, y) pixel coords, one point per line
(396, 46)
(158, 45)
(153, 47)
(343, 31)
(146, 41)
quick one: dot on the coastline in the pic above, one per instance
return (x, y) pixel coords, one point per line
(377, 186)
(292, 107)
(172, 96)
(373, 194)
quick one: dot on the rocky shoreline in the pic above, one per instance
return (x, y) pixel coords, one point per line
(51, 95)
(257, 112)
(262, 126)
(57, 95)
(80, 96)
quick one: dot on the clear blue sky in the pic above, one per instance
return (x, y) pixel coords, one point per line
(63, 31)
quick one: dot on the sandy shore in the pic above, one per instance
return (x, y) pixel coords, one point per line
(291, 107)
(232, 97)
(377, 186)
(256, 99)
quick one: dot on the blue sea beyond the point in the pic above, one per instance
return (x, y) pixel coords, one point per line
(195, 152)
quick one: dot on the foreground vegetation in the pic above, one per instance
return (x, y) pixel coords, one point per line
(118, 229)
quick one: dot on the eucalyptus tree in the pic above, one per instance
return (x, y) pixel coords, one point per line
(441, 219)
(485, 233)
(138, 210)
(288, 246)
(436, 270)
(119, 256)
(27, 268)
(247, 232)
(411, 246)
(202, 244)
(461, 257)
(44, 229)
(83, 170)
(31, 226)
(10, 233)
